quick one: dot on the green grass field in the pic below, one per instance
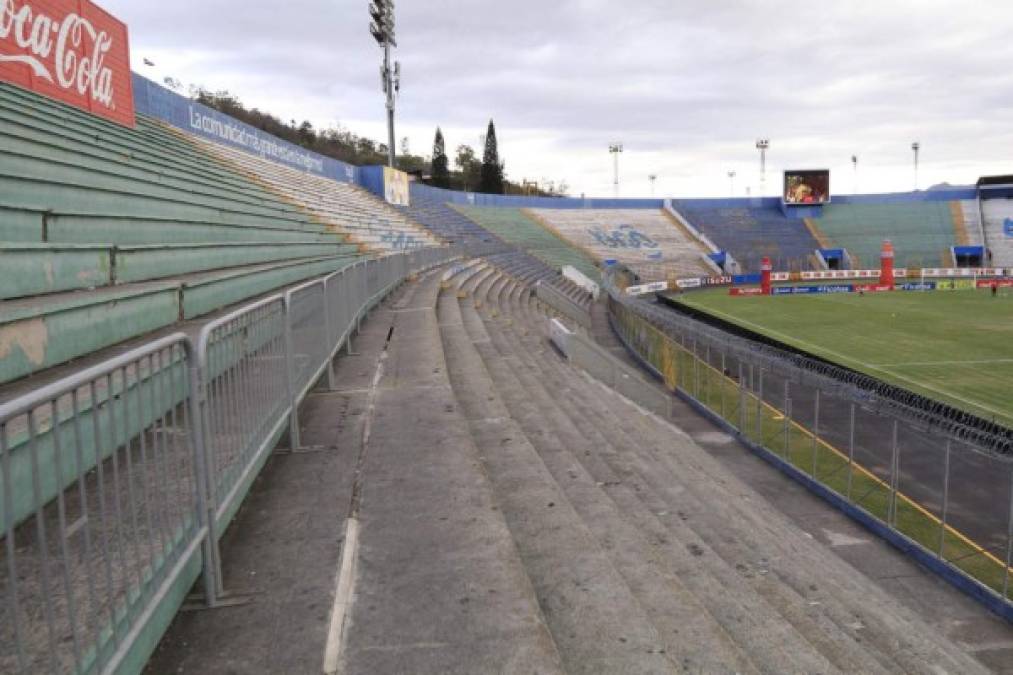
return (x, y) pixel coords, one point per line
(954, 346)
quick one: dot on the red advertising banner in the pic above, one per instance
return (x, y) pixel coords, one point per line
(745, 291)
(70, 50)
(998, 283)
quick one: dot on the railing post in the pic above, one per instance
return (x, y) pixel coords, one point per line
(211, 570)
(1009, 539)
(759, 409)
(707, 373)
(816, 428)
(891, 514)
(332, 337)
(724, 370)
(787, 420)
(696, 370)
(851, 449)
(946, 497)
(742, 399)
(293, 419)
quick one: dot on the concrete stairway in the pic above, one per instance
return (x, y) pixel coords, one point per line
(645, 554)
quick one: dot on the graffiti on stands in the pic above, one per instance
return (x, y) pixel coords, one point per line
(399, 241)
(624, 236)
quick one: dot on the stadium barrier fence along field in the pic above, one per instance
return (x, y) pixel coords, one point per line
(937, 496)
(117, 482)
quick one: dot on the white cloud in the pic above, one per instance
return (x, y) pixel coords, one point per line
(687, 86)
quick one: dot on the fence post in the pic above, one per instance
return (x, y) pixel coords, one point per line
(724, 369)
(946, 498)
(1009, 539)
(742, 399)
(891, 514)
(816, 428)
(787, 420)
(293, 418)
(759, 409)
(211, 563)
(330, 332)
(851, 449)
(707, 374)
(696, 370)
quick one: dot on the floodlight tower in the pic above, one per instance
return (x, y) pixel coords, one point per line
(915, 147)
(763, 144)
(652, 177)
(854, 172)
(731, 183)
(614, 150)
(382, 30)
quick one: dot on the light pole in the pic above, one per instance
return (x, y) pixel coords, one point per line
(854, 172)
(614, 150)
(915, 147)
(382, 30)
(731, 183)
(652, 177)
(763, 145)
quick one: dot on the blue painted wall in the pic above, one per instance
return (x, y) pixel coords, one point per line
(156, 101)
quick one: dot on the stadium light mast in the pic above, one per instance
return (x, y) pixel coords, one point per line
(652, 177)
(763, 145)
(382, 29)
(915, 147)
(854, 172)
(614, 150)
(731, 183)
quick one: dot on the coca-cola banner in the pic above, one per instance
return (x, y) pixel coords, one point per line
(69, 50)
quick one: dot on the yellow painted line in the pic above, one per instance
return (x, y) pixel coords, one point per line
(956, 533)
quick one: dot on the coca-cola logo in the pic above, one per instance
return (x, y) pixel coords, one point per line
(67, 51)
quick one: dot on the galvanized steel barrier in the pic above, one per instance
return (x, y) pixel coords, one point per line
(940, 492)
(116, 482)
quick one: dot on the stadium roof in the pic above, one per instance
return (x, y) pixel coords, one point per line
(995, 181)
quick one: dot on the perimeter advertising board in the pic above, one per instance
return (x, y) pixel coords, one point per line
(395, 186)
(806, 187)
(69, 50)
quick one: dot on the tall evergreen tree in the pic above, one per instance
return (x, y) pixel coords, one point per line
(441, 168)
(492, 168)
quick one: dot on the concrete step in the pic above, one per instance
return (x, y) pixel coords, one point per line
(844, 600)
(596, 622)
(439, 583)
(691, 635)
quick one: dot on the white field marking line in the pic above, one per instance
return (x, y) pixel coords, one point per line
(940, 363)
(847, 359)
(342, 597)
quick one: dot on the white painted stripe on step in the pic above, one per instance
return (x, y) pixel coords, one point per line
(343, 584)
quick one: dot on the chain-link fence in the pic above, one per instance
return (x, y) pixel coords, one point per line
(943, 483)
(116, 482)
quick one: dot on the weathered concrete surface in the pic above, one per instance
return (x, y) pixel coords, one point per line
(440, 587)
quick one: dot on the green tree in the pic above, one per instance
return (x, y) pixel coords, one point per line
(492, 168)
(440, 170)
(469, 166)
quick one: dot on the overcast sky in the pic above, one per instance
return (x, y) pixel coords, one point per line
(687, 86)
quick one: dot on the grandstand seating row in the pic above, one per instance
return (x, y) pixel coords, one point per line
(344, 206)
(108, 233)
(751, 233)
(998, 235)
(430, 209)
(648, 241)
(516, 228)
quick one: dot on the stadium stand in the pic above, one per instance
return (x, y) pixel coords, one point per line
(514, 227)
(922, 232)
(137, 226)
(345, 207)
(648, 241)
(751, 233)
(998, 224)
(429, 207)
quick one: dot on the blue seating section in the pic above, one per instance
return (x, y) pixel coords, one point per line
(749, 234)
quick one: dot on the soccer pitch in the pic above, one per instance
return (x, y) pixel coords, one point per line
(955, 347)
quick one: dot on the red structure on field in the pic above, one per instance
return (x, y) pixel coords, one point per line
(765, 276)
(886, 264)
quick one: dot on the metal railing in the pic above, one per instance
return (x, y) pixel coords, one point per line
(942, 493)
(117, 482)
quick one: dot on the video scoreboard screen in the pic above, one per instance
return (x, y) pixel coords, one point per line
(807, 187)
